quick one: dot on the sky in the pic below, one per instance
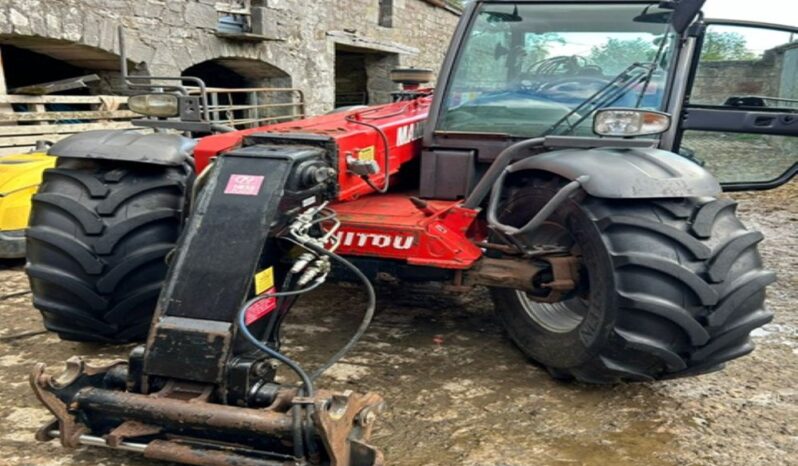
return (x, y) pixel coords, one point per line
(768, 11)
(757, 40)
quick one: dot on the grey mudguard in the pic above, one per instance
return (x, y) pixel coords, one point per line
(126, 146)
(626, 173)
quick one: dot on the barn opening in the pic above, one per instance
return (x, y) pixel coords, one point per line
(362, 75)
(31, 60)
(246, 92)
(50, 88)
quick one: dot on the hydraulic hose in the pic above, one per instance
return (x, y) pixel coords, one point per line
(301, 437)
(368, 315)
(387, 160)
(307, 381)
(274, 320)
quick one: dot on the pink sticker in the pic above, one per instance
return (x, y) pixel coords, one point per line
(244, 185)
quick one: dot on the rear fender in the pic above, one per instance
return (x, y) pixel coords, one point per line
(625, 173)
(126, 146)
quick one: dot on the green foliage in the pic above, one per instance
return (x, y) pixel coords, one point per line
(724, 46)
(538, 46)
(616, 54)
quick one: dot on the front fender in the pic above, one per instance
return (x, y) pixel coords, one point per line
(627, 173)
(126, 146)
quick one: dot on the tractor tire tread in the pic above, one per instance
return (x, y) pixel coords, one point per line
(90, 222)
(94, 186)
(111, 203)
(705, 216)
(71, 246)
(99, 236)
(713, 336)
(686, 280)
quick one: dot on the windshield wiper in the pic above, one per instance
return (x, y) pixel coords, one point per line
(612, 91)
(655, 60)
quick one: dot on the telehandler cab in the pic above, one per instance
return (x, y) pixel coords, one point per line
(559, 183)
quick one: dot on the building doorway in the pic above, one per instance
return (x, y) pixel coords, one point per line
(363, 76)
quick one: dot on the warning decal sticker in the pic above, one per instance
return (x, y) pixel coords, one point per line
(264, 283)
(264, 280)
(260, 308)
(366, 154)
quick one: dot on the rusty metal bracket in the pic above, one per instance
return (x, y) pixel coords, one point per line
(525, 275)
(345, 418)
(130, 430)
(565, 271)
(180, 423)
(504, 273)
(46, 386)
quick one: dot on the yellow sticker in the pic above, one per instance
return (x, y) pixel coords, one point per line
(264, 280)
(366, 154)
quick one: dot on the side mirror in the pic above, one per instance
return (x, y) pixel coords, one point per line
(630, 122)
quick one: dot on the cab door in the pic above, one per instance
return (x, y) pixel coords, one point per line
(740, 118)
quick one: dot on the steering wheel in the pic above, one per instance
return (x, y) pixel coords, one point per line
(565, 65)
(572, 88)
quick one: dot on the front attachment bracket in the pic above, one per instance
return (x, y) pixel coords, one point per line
(197, 392)
(169, 425)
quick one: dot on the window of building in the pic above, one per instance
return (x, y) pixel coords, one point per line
(386, 13)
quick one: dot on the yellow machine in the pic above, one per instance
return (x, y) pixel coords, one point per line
(20, 176)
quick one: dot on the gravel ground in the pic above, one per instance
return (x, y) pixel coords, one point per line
(459, 393)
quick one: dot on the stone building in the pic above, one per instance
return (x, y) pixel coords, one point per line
(336, 51)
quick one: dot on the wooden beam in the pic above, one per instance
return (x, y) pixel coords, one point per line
(30, 140)
(52, 99)
(56, 86)
(60, 129)
(77, 115)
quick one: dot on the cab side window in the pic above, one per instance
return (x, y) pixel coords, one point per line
(741, 69)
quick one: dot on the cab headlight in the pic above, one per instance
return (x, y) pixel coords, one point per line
(155, 105)
(623, 122)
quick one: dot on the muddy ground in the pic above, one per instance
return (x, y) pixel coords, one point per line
(459, 393)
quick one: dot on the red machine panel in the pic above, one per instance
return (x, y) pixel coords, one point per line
(354, 133)
(392, 225)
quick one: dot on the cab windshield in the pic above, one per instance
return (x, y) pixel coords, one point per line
(529, 70)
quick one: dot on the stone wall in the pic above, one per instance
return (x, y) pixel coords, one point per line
(774, 75)
(167, 36)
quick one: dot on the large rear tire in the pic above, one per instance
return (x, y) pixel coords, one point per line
(98, 237)
(672, 287)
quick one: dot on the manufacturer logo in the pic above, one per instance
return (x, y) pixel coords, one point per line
(352, 239)
(409, 133)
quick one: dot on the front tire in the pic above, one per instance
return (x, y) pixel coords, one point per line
(97, 241)
(673, 287)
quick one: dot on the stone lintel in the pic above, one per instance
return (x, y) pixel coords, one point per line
(354, 40)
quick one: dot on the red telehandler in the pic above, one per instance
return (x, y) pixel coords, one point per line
(559, 183)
